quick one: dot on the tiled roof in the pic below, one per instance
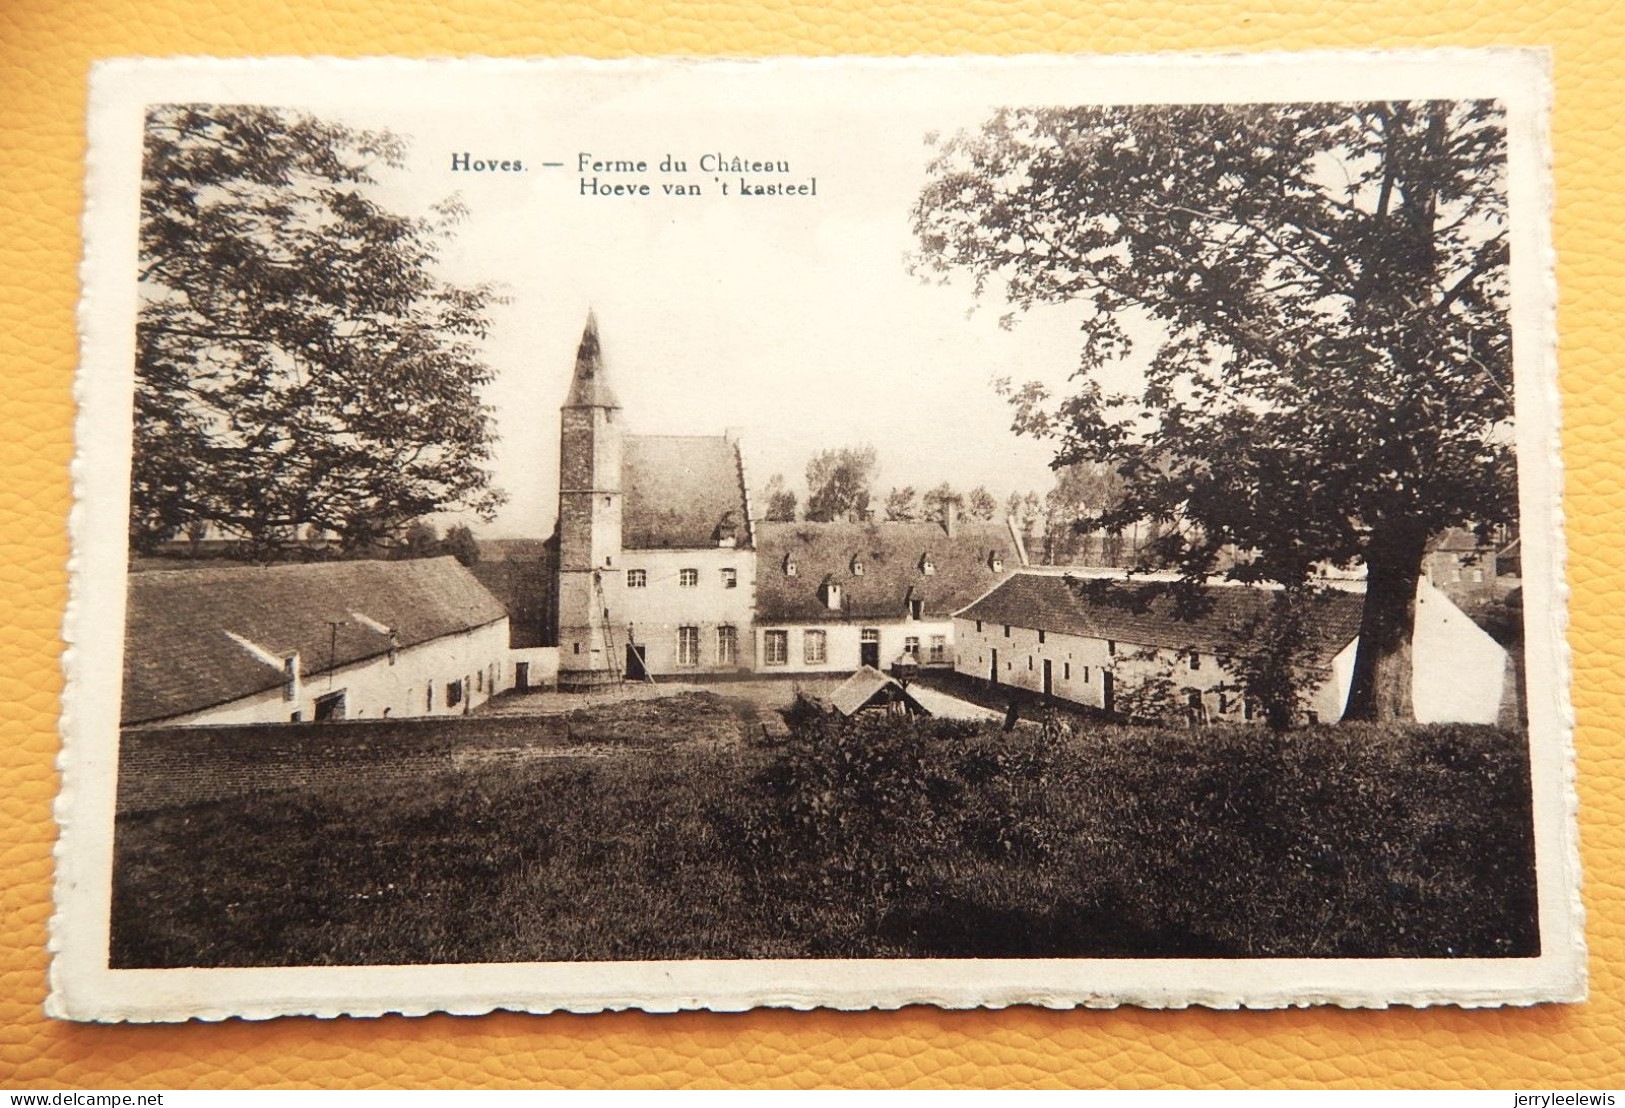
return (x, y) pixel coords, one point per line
(891, 554)
(528, 589)
(517, 550)
(867, 686)
(679, 489)
(1456, 540)
(1153, 614)
(180, 656)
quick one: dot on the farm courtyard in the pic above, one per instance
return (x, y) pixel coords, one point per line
(736, 821)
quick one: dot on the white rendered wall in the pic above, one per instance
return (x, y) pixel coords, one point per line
(376, 687)
(843, 644)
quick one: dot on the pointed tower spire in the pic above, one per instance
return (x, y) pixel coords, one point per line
(589, 387)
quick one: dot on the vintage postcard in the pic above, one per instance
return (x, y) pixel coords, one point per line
(683, 534)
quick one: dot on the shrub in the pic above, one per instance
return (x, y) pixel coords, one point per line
(856, 814)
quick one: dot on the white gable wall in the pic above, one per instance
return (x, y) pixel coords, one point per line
(1458, 670)
(376, 687)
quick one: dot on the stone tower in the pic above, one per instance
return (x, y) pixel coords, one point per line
(589, 520)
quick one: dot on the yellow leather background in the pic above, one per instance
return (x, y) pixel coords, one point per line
(46, 47)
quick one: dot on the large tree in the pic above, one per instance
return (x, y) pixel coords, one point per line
(935, 502)
(1322, 292)
(1084, 491)
(838, 482)
(902, 505)
(299, 364)
(778, 500)
(979, 504)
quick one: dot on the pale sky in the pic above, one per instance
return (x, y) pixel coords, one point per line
(791, 319)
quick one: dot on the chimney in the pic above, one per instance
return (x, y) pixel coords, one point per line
(950, 516)
(1015, 538)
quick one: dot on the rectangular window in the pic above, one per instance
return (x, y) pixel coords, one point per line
(637, 578)
(1029, 661)
(730, 578)
(911, 645)
(727, 645)
(1007, 630)
(939, 648)
(1111, 647)
(479, 680)
(688, 646)
(1196, 660)
(978, 627)
(776, 647)
(870, 634)
(454, 693)
(1224, 704)
(428, 700)
(688, 578)
(1040, 638)
(1066, 671)
(815, 647)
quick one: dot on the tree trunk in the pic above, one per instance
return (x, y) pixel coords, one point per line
(1381, 688)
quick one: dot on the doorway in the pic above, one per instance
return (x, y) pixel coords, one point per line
(521, 676)
(635, 669)
(329, 707)
(1049, 678)
(1106, 701)
(993, 670)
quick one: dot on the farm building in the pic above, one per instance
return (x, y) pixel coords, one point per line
(869, 690)
(1103, 642)
(657, 559)
(291, 643)
(831, 597)
(1458, 557)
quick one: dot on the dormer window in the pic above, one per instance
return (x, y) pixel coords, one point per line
(857, 566)
(927, 566)
(995, 562)
(728, 531)
(789, 565)
(290, 677)
(916, 608)
(831, 591)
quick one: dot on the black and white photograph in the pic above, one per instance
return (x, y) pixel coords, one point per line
(699, 534)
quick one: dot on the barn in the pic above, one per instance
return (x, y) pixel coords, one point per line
(831, 597)
(307, 642)
(1104, 642)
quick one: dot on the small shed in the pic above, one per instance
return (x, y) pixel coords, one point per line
(867, 689)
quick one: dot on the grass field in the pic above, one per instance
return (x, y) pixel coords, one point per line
(671, 829)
